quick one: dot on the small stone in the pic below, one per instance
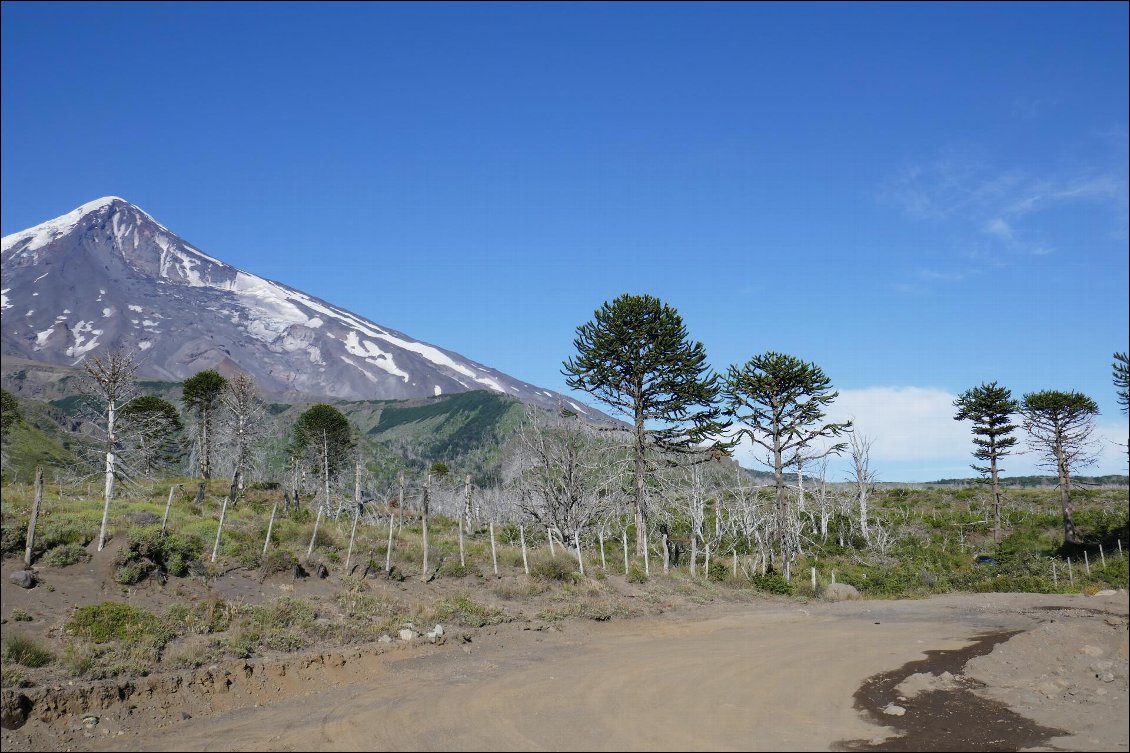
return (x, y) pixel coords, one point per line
(438, 630)
(1092, 650)
(90, 722)
(386, 638)
(185, 715)
(23, 578)
(407, 634)
(894, 710)
(1107, 677)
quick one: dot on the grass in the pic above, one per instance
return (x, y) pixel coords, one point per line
(26, 652)
(940, 531)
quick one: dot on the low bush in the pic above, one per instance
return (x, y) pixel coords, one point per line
(772, 582)
(554, 568)
(463, 610)
(114, 621)
(65, 555)
(150, 550)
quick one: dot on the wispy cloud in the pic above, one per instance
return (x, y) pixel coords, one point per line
(1002, 207)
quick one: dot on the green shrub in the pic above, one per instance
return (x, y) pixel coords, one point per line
(65, 555)
(772, 582)
(13, 536)
(209, 616)
(636, 574)
(26, 652)
(718, 571)
(554, 568)
(20, 615)
(463, 610)
(149, 549)
(278, 561)
(114, 621)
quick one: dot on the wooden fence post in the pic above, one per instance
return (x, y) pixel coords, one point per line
(493, 553)
(34, 514)
(525, 562)
(168, 507)
(580, 559)
(270, 526)
(625, 540)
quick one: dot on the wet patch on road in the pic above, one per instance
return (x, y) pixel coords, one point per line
(951, 719)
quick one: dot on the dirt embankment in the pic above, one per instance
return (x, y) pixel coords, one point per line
(958, 672)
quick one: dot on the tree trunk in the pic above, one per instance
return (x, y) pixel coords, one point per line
(640, 487)
(111, 469)
(779, 479)
(205, 449)
(1070, 532)
(996, 500)
(427, 491)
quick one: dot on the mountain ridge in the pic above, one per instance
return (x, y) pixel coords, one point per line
(108, 274)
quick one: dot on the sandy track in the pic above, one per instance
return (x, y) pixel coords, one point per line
(760, 677)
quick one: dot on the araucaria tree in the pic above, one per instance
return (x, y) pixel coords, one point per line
(201, 396)
(636, 357)
(9, 417)
(779, 402)
(111, 381)
(1059, 426)
(324, 436)
(155, 428)
(990, 407)
(1122, 380)
(1122, 385)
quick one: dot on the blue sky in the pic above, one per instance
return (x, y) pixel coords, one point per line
(919, 197)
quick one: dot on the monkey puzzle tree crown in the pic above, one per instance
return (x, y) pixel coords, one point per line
(636, 357)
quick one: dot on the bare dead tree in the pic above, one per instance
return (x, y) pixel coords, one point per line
(111, 379)
(564, 474)
(245, 410)
(864, 479)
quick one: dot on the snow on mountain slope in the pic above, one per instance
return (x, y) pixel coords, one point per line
(108, 274)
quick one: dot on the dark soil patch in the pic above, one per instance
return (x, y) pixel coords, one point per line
(947, 720)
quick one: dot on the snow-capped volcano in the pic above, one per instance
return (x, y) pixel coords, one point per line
(107, 274)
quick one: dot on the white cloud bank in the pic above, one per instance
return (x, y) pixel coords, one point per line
(916, 438)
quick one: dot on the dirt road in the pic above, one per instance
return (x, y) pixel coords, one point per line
(768, 676)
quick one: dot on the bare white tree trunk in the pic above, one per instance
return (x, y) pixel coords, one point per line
(600, 537)
(864, 477)
(108, 494)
